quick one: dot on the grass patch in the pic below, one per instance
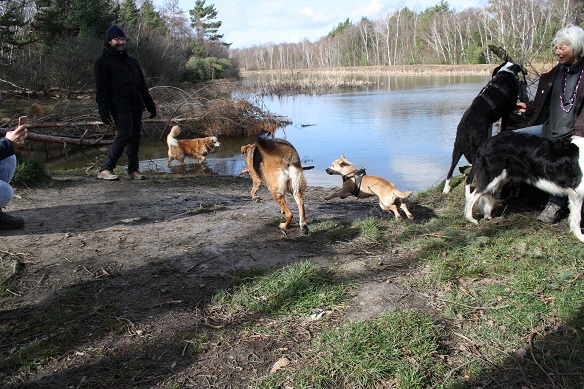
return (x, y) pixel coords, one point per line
(297, 289)
(30, 174)
(205, 209)
(509, 297)
(400, 349)
(369, 229)
(506, 288)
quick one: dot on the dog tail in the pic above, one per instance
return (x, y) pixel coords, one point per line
(171, 137)
(403, 195)
(279, 147)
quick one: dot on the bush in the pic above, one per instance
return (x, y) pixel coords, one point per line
(205, 69)
(30, 173)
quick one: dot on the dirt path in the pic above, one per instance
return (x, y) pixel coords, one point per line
(154, 252)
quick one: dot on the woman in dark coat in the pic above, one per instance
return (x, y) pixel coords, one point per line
(557, 109)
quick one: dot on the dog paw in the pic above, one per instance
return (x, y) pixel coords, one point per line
(304, 228)
(283, 226)
(256, 199)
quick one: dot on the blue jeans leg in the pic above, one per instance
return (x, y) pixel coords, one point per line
(533, 130)
(7, 169)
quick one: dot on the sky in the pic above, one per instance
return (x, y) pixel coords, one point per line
(247, 23)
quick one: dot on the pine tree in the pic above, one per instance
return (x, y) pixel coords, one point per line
(204, 23)
(129, 12)
(11, 20)
(73, 18)
(151, 17)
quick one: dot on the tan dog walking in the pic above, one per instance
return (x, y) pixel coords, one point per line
(275, 163)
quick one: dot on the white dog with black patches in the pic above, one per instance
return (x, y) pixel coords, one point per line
(552, 165)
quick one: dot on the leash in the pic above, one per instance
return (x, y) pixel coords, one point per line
(358, 176)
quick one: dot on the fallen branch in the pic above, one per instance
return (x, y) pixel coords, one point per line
(63, 140)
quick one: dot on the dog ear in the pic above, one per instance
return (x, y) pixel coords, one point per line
(342, 156)
(496, 70)
(521, 69)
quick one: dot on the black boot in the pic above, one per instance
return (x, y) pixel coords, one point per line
(8, 222)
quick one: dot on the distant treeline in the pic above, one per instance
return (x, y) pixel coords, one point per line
(437, 35)
(54, 43)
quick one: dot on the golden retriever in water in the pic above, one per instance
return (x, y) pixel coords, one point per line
(361, 185)
(197, 148)
(275, 163)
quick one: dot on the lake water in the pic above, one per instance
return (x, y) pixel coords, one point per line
(401, 128)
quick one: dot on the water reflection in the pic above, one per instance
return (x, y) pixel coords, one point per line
(400, 127)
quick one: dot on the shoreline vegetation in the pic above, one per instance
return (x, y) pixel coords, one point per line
(426, 69)
(395, 69)
(318, 81)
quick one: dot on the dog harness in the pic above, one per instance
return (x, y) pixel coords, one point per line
(500, 89)
(358, 175)
(488, 99)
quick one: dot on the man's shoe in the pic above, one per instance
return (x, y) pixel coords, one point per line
(8, 222)
(552, 213)
(136, 176)
(107, 175)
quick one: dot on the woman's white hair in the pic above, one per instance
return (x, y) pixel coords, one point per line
(573, 36)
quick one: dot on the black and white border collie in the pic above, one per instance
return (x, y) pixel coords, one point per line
(495, 101)
(552, 165)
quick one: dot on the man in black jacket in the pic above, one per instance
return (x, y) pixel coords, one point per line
(121, 93)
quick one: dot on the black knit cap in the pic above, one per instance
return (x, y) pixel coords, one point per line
(114, 32)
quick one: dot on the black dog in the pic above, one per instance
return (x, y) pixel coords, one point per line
(496, 101)
(555, 166)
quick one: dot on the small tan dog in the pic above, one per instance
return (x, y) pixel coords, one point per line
(357, 183)
(197, 148)
(275, 163)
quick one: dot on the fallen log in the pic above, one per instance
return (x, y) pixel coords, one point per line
(62, 139)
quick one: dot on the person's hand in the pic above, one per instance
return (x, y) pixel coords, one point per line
(152, 113)
(106, 118)
(17, 136)
(520, 107)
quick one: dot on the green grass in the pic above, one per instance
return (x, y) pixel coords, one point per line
(30, 174)
(205, 209)
(297, 289)
(508, 298)
(400, 349)
(368, 229)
